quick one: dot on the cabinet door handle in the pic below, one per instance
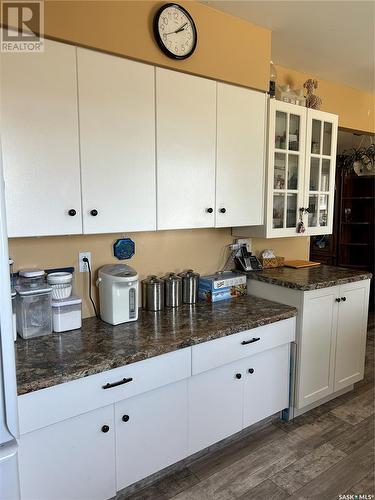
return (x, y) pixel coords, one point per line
(251, 370)
(209, 210)
(254, 339)
(115, 384)
(125, 418)
(105, 428)
(343, 299)
(238, 376)
(338, 299)
(94, 212)
(72, 212)
(222, 210)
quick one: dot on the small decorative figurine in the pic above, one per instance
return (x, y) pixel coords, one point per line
(312, 101)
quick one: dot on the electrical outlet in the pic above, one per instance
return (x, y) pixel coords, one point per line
(83, 267)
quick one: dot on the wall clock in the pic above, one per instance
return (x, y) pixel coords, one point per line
(175, 31)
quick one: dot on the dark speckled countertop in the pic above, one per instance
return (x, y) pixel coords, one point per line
(309, 278)
(60, 357)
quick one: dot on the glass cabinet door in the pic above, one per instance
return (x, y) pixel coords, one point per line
(320, 171)
(286, 163)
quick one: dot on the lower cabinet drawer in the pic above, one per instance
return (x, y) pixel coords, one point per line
(48, 406)
(241, 345)
(71, 460)
(151, 432)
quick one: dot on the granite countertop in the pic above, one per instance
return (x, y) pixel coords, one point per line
(53, 359)
(309, 278)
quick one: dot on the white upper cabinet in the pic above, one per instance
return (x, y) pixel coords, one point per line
(300, 172)
(40, 141)
(320, 171)
(117, 135)
(186, 138)
(241, 117)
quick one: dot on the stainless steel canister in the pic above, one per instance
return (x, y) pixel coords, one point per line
(190, 284)
(173, 290)
(153, 293)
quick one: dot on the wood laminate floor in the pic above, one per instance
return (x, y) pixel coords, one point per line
(322, 454)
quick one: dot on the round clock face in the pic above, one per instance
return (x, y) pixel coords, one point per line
(175, 31)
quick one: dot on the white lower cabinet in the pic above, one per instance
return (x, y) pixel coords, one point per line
(330, 337)
(215, 406)
(266, 384)
(71, 460)
(151, 432)
(168, 408)
(224, 400)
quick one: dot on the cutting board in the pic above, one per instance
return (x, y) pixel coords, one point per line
(297, 264)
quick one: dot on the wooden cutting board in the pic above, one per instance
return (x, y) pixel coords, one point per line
(297, 264)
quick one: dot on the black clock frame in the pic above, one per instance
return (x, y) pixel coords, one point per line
(158, 37)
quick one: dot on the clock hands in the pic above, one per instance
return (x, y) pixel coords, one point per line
(181, 28)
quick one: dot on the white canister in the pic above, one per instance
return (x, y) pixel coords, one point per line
(67, 314)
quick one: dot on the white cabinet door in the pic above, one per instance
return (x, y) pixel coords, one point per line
(351, 334)
(241, 116)
(316, 346)
(74, 459)
(151, 432)
(215, 405)
(286, 163)
(266, 377)
(117, 134)
(186, 136)
(40, 141)
(320, 166)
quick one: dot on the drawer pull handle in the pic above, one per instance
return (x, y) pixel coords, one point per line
(115, 384)
(254, 339)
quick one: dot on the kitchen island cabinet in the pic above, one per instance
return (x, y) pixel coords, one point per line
(331, 327)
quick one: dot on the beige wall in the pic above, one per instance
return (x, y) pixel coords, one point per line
(355, 108)
(156, 252)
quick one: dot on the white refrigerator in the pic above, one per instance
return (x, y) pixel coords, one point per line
(9, 482)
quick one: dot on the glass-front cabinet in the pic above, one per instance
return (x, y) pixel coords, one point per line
(286, 155)
(301, 170)
(321, 141)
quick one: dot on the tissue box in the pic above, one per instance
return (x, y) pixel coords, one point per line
(222, 286)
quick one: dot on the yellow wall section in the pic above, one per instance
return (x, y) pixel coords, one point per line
(355, 108)
(228, 48)
(156, 253)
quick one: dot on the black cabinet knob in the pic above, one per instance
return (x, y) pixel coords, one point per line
(94, 212)
(338, 299)
(343, 299)
(238, 375)
(251, 370)
(125, 418)
(72, 212)
(222, 210)
(105, 428)
(209, 210)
